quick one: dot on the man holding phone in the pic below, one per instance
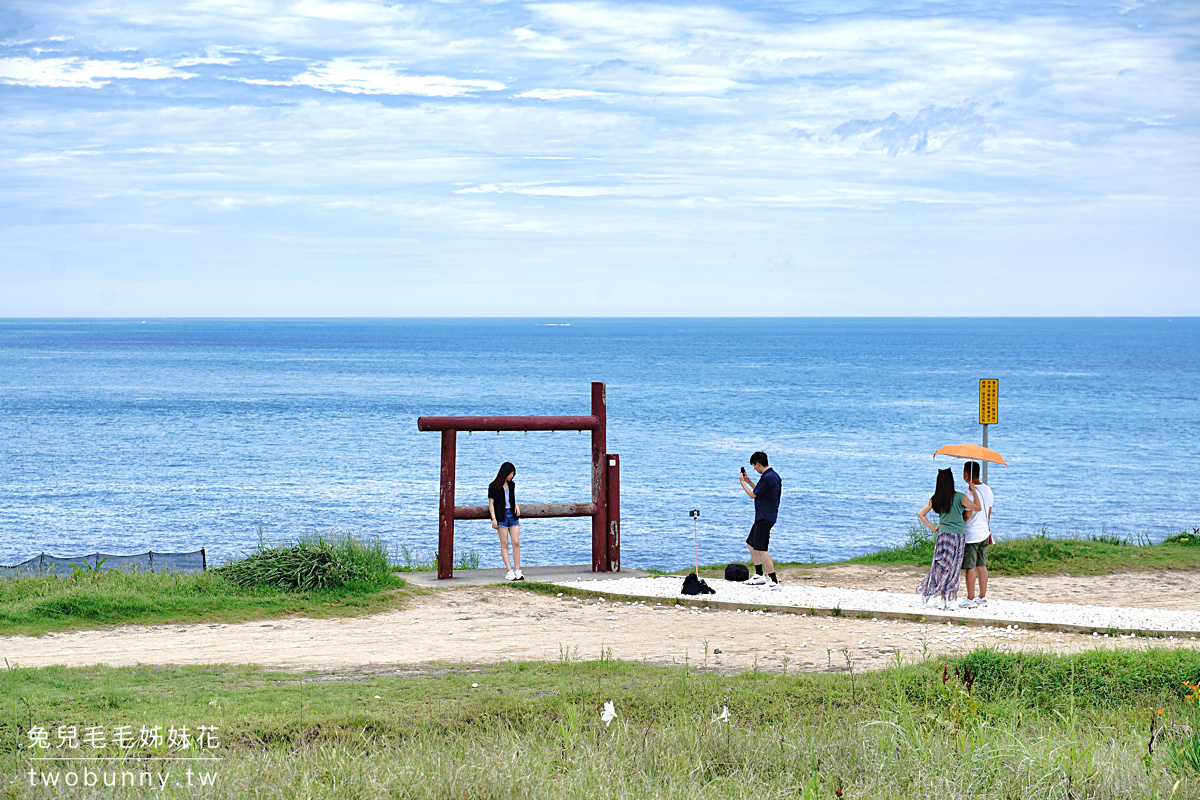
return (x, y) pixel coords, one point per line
(766, 510)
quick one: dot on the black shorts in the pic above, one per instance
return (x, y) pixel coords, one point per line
(760, 534)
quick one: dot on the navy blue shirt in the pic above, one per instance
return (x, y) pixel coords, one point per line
(766, 496)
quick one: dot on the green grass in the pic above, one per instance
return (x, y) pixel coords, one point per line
(315, 561)
(419, 559)
(1028, 726)
(1095, 554)
(357, 580)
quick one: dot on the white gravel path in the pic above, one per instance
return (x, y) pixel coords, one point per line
(1067, 617)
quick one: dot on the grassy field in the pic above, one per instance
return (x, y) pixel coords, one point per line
(320, 575)
(987, 725)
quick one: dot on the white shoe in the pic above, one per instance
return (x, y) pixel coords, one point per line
(968, 603)
(771, 586)
(510, 576)
(982, 601)
(520, 576)
(757, 580)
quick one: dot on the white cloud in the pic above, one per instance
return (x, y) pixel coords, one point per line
(80, 72)
(642, 20)
(874, 130)
(560, 94)
(546, 190)
(349, 11)
(211, 56)
(357, 76)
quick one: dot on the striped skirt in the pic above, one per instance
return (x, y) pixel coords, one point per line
(942, 579)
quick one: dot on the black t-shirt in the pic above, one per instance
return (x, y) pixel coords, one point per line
(766, 496)
(500, 502)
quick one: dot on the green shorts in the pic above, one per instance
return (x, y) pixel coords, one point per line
(975, 555)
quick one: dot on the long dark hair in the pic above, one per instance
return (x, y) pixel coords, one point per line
(943, 495)
(506, 469)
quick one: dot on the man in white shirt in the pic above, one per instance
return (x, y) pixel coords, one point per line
(979, 535)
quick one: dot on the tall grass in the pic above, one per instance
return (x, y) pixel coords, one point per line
(318, 560)
(418, 559)
(534, 730)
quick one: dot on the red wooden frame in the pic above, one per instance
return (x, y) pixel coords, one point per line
(604, 509)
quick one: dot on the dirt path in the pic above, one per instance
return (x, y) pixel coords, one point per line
(493, 624)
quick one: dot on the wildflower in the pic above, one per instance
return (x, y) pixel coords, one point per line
(723, 716)
(609, 713)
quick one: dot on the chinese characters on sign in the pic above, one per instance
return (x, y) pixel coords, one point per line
(989, 401)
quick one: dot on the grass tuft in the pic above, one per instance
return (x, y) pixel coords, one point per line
(318, 560)
(416, 559)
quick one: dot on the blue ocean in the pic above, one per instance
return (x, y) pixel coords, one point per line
(129, 435)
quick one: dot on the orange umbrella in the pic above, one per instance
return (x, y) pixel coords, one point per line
(972, 452)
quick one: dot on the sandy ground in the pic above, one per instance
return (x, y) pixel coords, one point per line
(1173, 589)
(494, 624)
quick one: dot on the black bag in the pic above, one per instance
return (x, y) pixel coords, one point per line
(694, 584)
(737, 572)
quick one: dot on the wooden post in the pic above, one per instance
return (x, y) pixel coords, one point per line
(446, 506)
(614, 511)
(599, 470)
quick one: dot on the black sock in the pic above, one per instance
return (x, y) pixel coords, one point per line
(773, 578)
(758, 569)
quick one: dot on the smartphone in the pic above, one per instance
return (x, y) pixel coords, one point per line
(743, 471)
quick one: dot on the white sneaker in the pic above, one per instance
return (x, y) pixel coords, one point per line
(968, 603)
(982, 601)
(757, 580)
(510, 576)
(520, 576)
(771, 586)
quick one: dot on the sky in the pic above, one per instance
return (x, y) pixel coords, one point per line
(300, 158)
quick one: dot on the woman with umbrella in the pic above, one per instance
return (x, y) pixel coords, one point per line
(942, 579)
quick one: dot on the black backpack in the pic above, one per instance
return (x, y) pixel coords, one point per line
(737, 572)
(694, 584)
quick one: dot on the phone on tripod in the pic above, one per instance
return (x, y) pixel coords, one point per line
(695, 513)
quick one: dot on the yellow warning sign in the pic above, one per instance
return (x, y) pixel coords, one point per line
(989, 401)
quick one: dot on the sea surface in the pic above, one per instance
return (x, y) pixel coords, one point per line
(128, 435)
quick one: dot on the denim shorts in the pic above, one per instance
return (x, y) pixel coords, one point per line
(509, 522)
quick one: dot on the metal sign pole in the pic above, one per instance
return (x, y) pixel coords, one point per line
(989, 413)
(983, 468)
